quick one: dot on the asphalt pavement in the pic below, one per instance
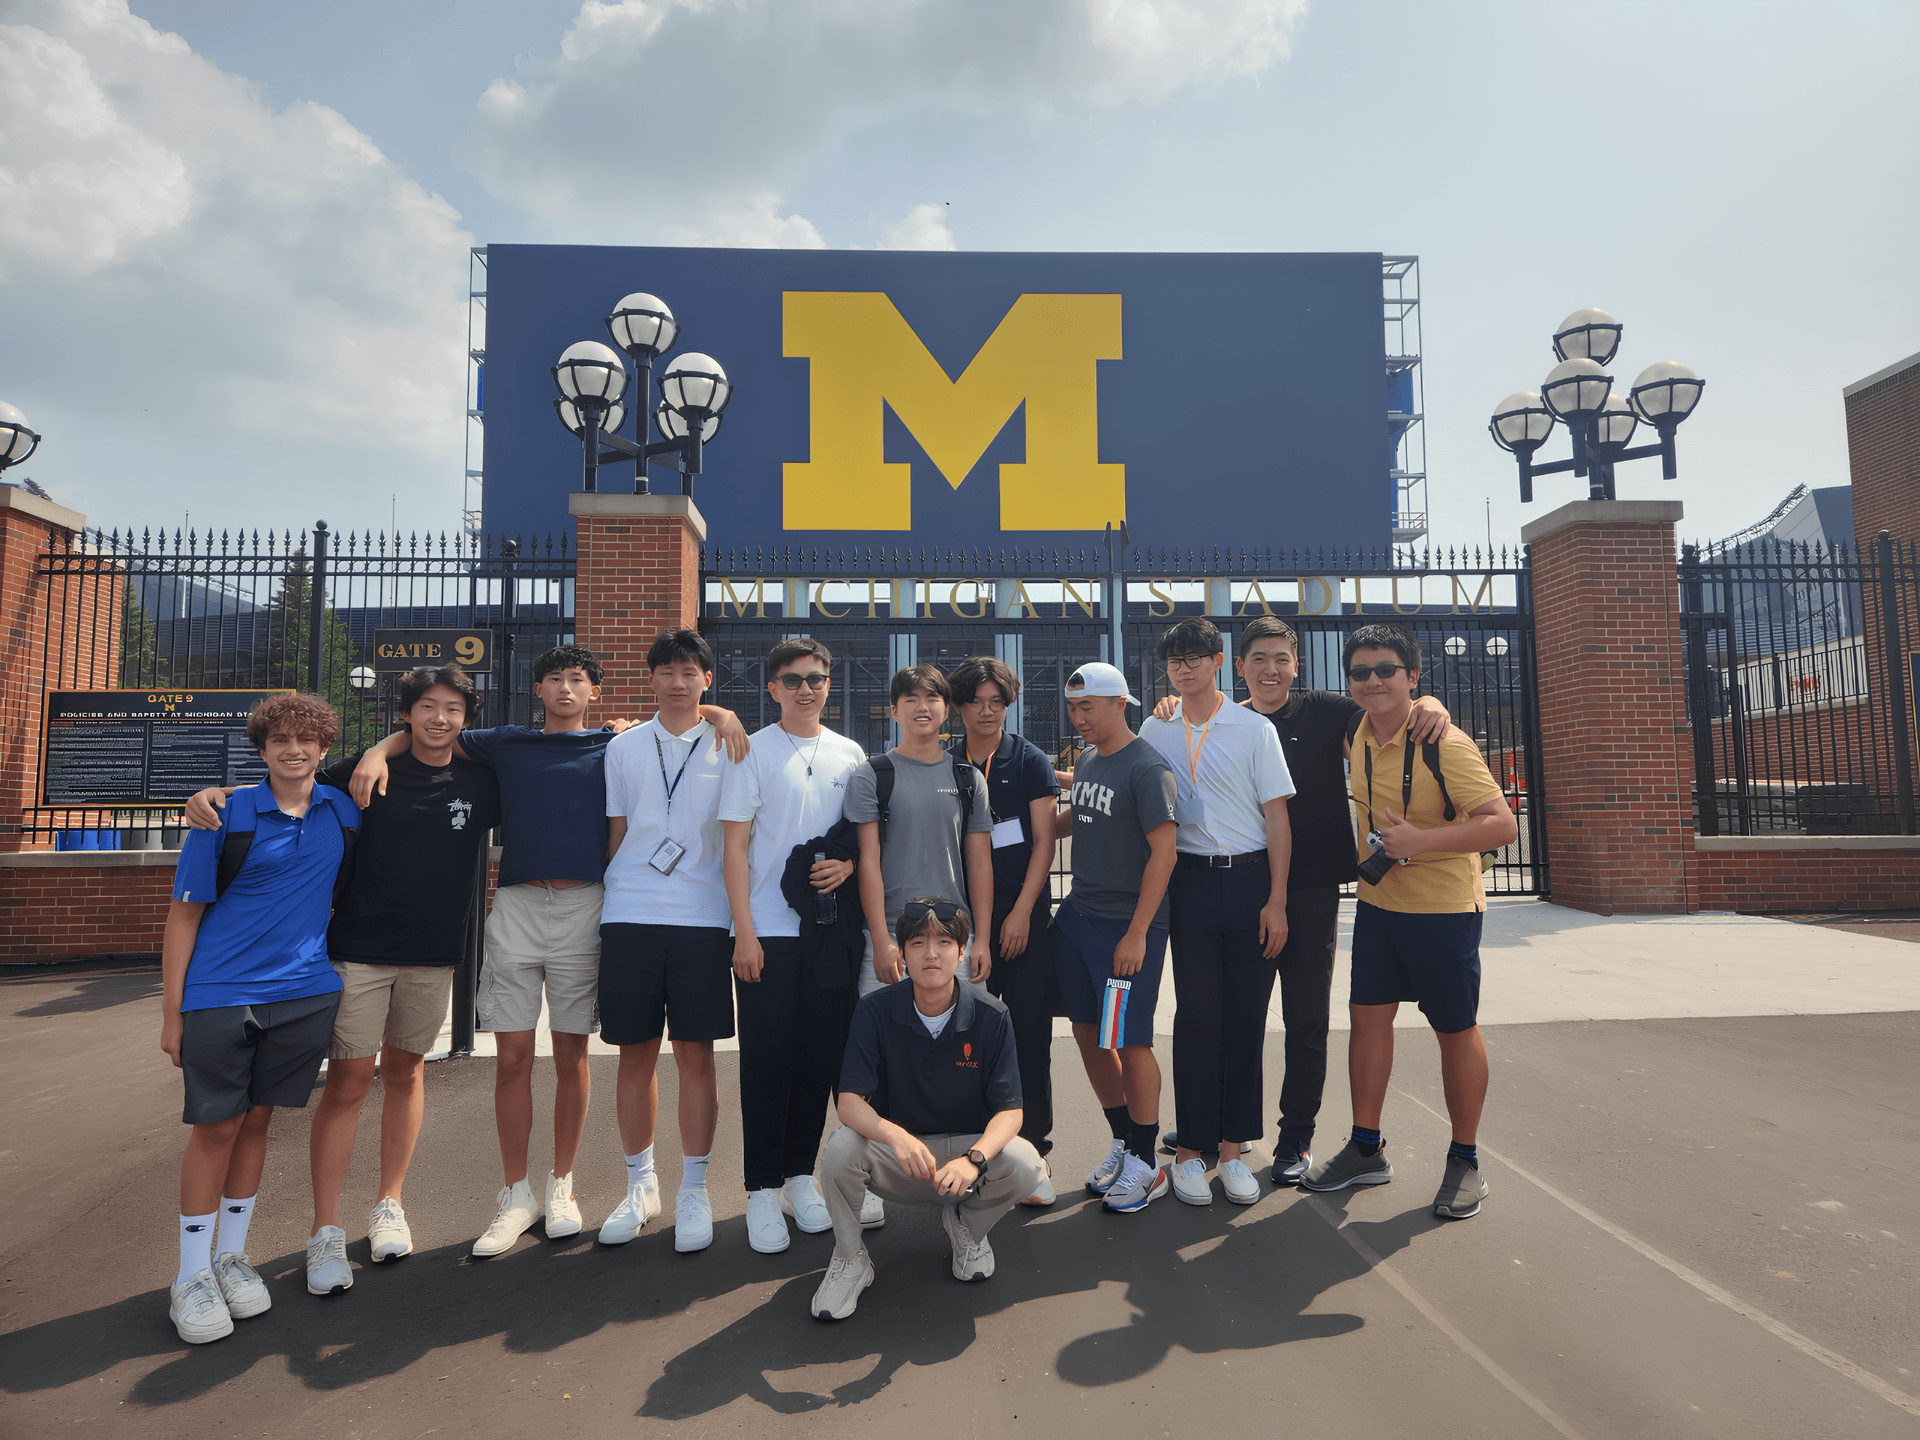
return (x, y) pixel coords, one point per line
(1699, 1226)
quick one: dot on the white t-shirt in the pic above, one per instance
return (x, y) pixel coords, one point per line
(637, 893)
(1238, 766)
(936, 1024)
(771, 788)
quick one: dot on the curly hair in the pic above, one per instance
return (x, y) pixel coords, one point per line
(307, 716)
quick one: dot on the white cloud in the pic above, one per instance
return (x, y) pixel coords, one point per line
(678, 108)
(207, 286)
(922, 228)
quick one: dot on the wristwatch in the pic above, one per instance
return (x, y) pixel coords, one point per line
(978, 1161)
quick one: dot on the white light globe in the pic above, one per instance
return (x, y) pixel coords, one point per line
(673, 425)
(1617, 422)
(588, 368)
(16, 436)
(1576, 390)
(1666, 390)
(696, 382)
(642, 324)
(1522, 420)
(1588, 334)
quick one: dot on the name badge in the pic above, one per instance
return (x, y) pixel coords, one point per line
(666, 857)
(1190, 809)
(1006, 833)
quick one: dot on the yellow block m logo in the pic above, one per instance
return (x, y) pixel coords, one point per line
(864, 353)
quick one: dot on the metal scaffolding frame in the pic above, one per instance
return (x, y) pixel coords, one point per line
(1406, 396)
(476, 430)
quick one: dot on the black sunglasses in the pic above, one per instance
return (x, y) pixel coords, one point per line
(941, 910)
(813, 680)
(1383, 671)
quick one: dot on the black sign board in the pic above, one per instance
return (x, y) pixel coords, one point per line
(395, 651)
(146, 747)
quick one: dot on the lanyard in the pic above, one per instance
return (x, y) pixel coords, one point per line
(661, 754)
(1193, 751)
(986, 771)
(1406, 779)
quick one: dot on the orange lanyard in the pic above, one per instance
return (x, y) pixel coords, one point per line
(1193, 751)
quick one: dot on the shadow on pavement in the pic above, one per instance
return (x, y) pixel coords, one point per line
(96, 992)
(1228, 1287)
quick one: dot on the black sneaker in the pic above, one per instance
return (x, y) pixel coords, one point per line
(1461, 1191)
(1290, 1166)
(1352, 1166)
(1170, 1142)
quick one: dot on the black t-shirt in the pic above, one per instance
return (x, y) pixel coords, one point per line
(949, 1086)
(413, 870)
(1019, 774)
(1313, 727)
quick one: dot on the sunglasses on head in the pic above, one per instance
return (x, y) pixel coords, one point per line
(941, 910)
(813, 680)
(1385, 670)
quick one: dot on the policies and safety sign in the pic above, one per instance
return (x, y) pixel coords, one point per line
(146, 747)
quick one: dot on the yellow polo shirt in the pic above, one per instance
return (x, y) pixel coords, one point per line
(1436, 883)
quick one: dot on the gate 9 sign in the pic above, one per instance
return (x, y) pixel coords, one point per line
(395, 651)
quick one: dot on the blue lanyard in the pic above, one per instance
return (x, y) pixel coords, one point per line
(661, 754)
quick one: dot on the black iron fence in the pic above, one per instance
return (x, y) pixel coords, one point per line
(274, 610)
(1800, 664)
(1044, 612)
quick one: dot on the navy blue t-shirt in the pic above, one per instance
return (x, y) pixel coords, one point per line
(949, 1086)
(1019, 774)
(553, 800)
(265, 939)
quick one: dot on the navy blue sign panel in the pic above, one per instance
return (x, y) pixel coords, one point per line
(972, 400)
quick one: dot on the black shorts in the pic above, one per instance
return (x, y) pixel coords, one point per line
(234, 1057)
(1434, 959)
(655, 975)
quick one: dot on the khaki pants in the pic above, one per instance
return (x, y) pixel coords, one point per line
(851, 1165)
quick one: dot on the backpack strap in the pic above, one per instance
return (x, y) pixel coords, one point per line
(882, 787)
(883, 777)
(963, 773)
(236, 836)
(1429, 752)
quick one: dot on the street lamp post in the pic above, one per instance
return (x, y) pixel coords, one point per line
(592, 380)
(1579, 392)
(17, 439)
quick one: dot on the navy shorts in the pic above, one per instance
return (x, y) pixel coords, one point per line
(1434, 959)
(1083, 963)
(655, 975)
(234, 1057)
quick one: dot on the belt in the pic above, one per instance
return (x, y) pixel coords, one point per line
(1221, 862)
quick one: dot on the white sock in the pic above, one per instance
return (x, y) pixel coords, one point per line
(640, 1166)
(693, 1171)
(196, 1244)
(235, 1216)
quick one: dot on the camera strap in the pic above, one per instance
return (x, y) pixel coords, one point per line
(1406, 781)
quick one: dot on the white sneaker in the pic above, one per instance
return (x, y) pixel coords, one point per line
(693, 1221)
(388, 1230)
(1239, 1181)
(563, 1216)
(1139, 1183)
(972, 1257)
(1100, 1179)
(840, 1291)
(1190, 1183)
(1043, 1192)
(766, 1223)
(641, 1204)
(241, 1286)
(197, 1311)
(327, 1268)
(800, 1198)
(516, 1211)
(873, 1214)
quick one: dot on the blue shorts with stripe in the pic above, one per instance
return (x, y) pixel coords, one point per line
(1083, 963)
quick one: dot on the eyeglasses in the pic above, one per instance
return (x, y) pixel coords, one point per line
(814, 680)
(1187, 662)
(1385, 670)
(941, 910)
(980, 702)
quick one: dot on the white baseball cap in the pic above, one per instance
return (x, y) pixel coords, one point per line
(1097, 677)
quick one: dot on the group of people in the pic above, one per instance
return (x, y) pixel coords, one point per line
(881, 929)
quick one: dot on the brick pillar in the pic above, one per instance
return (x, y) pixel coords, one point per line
(29, 526)
(1616, 753)
(639, 574)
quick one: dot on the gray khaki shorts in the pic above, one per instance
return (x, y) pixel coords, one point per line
(538, 937)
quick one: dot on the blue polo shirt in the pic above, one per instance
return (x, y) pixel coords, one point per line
(1018, 774)
(265, 939)
(553, 800)
(949, 1086)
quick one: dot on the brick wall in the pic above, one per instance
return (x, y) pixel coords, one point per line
(29, 526)
(1883, 453)
(1616, 750)
(639, 575)
(1806, 879)
(108, 905)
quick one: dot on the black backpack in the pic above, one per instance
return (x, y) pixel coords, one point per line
(236, 837)
(883, 788)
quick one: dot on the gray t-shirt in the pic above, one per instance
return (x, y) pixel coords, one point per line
(921, 848)
(1117, 799)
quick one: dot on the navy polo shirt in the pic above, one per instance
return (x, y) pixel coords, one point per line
(1019, 774)
(949, 1086)
(553, 800)
(265, 939)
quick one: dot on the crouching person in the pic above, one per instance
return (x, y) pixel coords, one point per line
(929, 1108)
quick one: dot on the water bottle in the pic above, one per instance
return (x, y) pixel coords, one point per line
(826, 903)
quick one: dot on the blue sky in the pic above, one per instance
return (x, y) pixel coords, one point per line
(232, 236)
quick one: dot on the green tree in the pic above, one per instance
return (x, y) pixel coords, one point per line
(139, 664)
(289, 625)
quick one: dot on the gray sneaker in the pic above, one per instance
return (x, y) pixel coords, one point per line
(1461, 1191)
(972, 1256)
(1352, 1166)
(840, 1291)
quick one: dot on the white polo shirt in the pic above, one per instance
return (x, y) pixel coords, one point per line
(1227, 769)
(641, 763)
(787, 805)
